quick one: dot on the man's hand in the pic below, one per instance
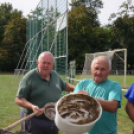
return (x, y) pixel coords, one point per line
(83, 92)
(37, 109)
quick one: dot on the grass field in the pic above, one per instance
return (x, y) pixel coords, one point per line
(119, 78)
(9, 112)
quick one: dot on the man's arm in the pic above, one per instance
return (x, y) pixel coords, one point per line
(24, 103)
(107, 105)
(130, 110)
(69, 87)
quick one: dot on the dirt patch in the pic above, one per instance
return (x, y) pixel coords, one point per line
(18, 132)
(49, 110)
(79, 109)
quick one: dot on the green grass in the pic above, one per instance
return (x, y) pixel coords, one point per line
(125, 125)
(119, 78)
(9, 111)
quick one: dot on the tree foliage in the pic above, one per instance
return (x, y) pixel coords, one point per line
(5, 9)
(85, 35)
(13, 36)
(122, 31)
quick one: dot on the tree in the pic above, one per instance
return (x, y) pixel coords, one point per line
(13, 38)
(5, 15)
(92, 6)
(122, 31)
(85, 35)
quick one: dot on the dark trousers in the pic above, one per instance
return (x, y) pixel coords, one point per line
(40, 126)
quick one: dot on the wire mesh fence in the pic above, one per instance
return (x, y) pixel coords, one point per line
(46, 31)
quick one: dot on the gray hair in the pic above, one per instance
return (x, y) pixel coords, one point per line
(48, 53)
(103, 58)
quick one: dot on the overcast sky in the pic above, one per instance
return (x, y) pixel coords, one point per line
(110, 6)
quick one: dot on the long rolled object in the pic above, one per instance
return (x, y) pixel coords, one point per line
(20, 121)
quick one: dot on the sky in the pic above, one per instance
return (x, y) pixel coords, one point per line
(109, 7)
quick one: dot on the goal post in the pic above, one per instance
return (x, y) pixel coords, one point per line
(118, 59)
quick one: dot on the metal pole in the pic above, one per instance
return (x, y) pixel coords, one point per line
(125, 66)
(66, 68)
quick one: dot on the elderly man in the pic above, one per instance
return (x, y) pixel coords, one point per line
(107, 92)
(38, 87)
